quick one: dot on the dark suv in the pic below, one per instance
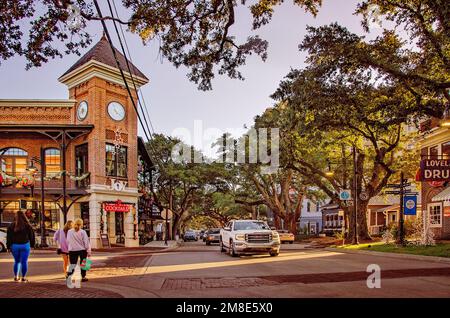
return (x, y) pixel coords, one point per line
(212, 236)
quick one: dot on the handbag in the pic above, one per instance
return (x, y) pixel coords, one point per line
(86, 264)
(58, 251)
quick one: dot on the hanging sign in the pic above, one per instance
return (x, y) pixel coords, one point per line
(435, 169)
(410, 205)
(117, 206)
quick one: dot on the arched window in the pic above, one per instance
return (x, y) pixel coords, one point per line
(52, 161)
(13, 161)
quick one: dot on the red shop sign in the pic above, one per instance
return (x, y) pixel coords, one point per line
(117, 206)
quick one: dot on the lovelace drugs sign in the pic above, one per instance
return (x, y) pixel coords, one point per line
(435, 169)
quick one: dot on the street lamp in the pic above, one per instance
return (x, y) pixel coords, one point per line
(446, 120)
(32, 168)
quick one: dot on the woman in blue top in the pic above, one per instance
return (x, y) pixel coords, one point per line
(19, 240)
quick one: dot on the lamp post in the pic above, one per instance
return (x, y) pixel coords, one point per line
(32, 168)
(355, 200)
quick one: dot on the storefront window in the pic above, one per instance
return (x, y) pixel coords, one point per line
(52, 162)
(84, 209)
(116, 161)
(434, 212)
(446, 150)
(434, 152)
(14, 161)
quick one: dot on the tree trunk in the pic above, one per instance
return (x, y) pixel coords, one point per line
(291, 223)
(175, 222)
(254, 214)
(363, 230)
(276, 221)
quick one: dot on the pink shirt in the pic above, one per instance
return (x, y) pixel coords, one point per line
(78, 241)
(61, 239)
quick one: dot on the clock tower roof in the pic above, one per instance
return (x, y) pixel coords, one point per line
(102, 55)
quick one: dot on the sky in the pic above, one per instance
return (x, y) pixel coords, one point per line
(172, 101)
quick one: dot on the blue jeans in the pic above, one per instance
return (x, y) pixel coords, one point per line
(20, 253)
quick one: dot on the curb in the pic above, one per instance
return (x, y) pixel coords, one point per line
(435, 259)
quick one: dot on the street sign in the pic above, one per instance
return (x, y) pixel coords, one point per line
(410, 205)
(392, 192)
(344, 195)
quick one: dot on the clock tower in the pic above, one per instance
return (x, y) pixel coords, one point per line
(110, 152)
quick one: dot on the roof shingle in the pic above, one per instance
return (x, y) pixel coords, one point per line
(101, 52)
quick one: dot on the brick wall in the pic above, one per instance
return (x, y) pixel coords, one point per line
(98, 93)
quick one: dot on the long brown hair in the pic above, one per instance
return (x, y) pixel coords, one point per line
(68, 226)
(21, 221)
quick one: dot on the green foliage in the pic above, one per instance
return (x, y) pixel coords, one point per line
(194, 34)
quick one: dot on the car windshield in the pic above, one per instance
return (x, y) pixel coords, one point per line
(216, 231)
(250, 225)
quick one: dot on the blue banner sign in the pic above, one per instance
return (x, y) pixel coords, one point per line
(410, 205)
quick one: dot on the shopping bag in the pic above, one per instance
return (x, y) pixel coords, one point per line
(86, 264)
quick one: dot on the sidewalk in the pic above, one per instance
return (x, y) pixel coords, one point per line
(51, 290)
(161, 244)
(391, 255)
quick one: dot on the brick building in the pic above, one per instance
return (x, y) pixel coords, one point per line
(92, 136)
(434, 175)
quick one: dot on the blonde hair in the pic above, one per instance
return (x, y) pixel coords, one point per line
(78, 224)
(68, 226)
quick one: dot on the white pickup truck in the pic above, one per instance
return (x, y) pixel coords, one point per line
(249, 237)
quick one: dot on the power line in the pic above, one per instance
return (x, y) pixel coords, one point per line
(122, 74)
(128, 66)
(155, 153)
(131, 60)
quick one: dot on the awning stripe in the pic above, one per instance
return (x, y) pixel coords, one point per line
(442, 196)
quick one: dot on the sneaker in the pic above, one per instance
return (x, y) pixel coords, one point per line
(84, 279)
(16, 279)
(24, 280)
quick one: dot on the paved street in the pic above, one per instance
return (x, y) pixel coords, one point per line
(196, 270)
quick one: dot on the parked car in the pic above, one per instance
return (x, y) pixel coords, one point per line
(249, 237)
(212, 236)
(202, 235)
(2, 241)
(286, 236)
(190, 236)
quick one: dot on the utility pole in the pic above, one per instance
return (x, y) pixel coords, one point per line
(355, 199)
(43, 231)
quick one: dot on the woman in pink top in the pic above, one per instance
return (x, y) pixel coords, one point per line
(79, 247)
(60, 237)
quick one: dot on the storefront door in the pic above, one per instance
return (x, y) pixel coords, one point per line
(120, 233)
(84, 208)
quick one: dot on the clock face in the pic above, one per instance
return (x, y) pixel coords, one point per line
(116, 111)
(82, 110)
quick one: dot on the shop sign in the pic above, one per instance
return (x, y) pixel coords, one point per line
(435, 169)
(117, 206)
(117, 185)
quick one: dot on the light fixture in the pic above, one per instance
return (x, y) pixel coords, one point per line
(445, 122)
(31, 167)
(329, 173)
